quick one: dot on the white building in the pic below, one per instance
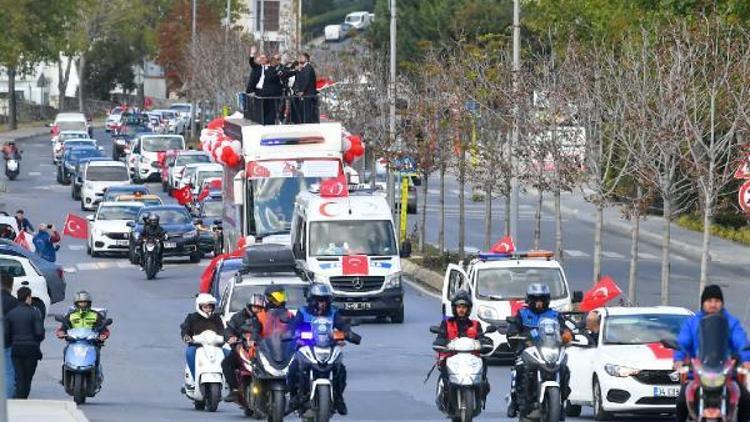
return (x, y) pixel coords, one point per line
(281, 27)
(40, 86)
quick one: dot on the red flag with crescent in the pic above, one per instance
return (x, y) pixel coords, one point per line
(355, 265)
(76, 226)
(22, 240)
(336, 187)
(504, 245)
(183, 195)
(602, 292)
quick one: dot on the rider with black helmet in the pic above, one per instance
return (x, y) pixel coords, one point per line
(152, 230)
(249, 320)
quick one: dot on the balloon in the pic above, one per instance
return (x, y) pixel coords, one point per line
(348, 157)
(217, 123)
(357, 150)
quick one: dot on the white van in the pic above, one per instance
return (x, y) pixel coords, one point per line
(359, 20)
(70, 121)
(98, 176)
(143, 161)
(350, 244)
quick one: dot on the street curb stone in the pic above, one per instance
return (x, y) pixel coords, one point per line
(432, 280)
(28, 410)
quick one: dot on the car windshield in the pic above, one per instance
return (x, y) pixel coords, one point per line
(76, 154)
(168, 216)
(131, 130)
(162, 143)
(273, 202)
(71, 125)
(212, 209)
(168, 114)
(295, 295)
(181, 108)
(642, 329)
(65, 136)
(118, 212)
(207, 174)
(191, 158)
(512, 282)
(102, 173)
(111, 193)
(79, 143)
(336, 238)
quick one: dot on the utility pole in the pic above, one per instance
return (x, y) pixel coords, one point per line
(262, 14)
(192, 94)
(299, 26)
(392, 106)
(514, 137)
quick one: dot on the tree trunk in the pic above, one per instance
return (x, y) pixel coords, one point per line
(373, 170)
(538, 219)
(423, 215)
(558, 227)
(441, 233)
(62, 81)
(461, 205)
(507, 207)
(598, 227)
(705, 257)
(633, 272)
(81, 84)
(665, 264)
(12, 104)
(487, 216)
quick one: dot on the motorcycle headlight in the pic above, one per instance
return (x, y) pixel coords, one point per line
(620, 371)
(549, 354)
(191, 233)
(393, 281)
(712, 379)
(487, 312)
(322, 353)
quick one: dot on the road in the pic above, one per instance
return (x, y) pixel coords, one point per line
(144, 359)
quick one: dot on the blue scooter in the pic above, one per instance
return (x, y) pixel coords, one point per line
(81, 376)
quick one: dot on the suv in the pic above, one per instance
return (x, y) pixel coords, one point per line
(497, 284)
(98, 176)
(77, 183)
(182, 235)
(67, 167)
(143, 161)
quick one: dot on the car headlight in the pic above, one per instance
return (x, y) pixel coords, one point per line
(487, 312)
(392, 281)
(191, 233)
(620, 371)
(321, 279)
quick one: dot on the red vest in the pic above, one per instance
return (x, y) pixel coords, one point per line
(452, 332)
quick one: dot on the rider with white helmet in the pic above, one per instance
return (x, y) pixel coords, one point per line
(204, 318)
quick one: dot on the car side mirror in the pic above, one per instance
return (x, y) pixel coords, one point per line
(130, 224)
(577, 296)
(59, 318)
(108, 322)
(90, 217)
(405, 251)
(297, 251)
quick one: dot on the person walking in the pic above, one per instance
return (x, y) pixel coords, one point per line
(8, 302)
(44, 242)
(25, 330)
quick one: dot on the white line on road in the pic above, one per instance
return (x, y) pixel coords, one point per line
(104, 265)
(70, 269)
(85, 266)
(35, 173)
(124, 264)
(75, 247)
(422, 289)
(645, 255)
(576, 253)
(614, 255)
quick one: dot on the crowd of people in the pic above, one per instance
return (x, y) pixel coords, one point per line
(46, 239)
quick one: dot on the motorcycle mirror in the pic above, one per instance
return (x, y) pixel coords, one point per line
(354, 338)
(581, 341)
(577, 296)
(511, 320)
(669, 344)
(490, 329)
(59, 318)
(436, 330)
(130, 224)
(108, 322)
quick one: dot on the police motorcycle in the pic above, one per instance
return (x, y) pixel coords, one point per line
(713, 393)
(320, 352)
(463, 399)
(82, 375)
(544, 358)
(274, 355)
(205, 390)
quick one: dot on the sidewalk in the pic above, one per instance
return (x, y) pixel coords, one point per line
(685, 242)
(23, 133)
(44, 410)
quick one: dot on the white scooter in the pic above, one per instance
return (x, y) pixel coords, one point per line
(207, 392)
(12, 168)
(464, 396)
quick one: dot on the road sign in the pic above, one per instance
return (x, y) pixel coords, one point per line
(744, 197)
(743, 171)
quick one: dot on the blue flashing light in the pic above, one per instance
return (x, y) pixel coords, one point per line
(270, 142)
(492, 256)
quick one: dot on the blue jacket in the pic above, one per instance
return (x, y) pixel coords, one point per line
(689, 338)
(529, 321)
(44, 247)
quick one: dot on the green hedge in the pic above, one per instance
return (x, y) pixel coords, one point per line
(695, 222)
(313, 26)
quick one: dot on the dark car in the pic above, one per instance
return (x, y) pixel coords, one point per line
(209, 212)
(77, 182)
(67, 167)
(51, 272)
(112, 192)
(122, 140)
(182, 235)
(225, 270)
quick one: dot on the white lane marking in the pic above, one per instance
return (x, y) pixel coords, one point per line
(422, 289)
(576, 253)
(35, 173)
(70, 269)
(614, 255)
(47, 165)
(85, 266)
(124, 264)
(75, 247)
(679, 258)
(105, 265)
(204, 263)
(645, 255)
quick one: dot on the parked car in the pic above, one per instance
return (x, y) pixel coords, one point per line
(113, 192)
(182, 234)
(52, 273)
(108, 229)
(98, 176)
(77, 179)
(67, 166)
(359, 20)
(337, 32)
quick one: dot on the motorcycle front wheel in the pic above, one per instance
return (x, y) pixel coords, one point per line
(79, 388)
(212, 396)
(150, 267)
(323, 405)
(552, 404)
(278, 406)
(466, 403)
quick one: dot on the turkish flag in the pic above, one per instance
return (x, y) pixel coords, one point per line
(336, 187)
(23, 240)
(257, 170)
(76, 226)
(504, 245)
(207, 277)
(355, 265)
(602, 292)
(183, 195)
(204, 194)
(323, 83)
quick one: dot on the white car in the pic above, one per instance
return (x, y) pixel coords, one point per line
(359, 20)
(108, 229)
(26, 274)
(98, 176)
(143, 161)
(183, 159)
(626, 369)
(203, 172)
(9, 228)
(70, 121)
(172, 121)
(59, 140)
(497, 284)
(114, 119)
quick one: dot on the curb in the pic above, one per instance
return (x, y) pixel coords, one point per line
(429, 279)
(31, 408)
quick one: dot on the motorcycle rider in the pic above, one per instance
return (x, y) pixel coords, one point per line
(197, 322)
(526, 323)
(10, 150)
(152, 230)
(248, 320)
(712, 302)
(319, 304)
(82, 316)
(459, 325)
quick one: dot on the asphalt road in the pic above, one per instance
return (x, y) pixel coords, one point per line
(144, 359)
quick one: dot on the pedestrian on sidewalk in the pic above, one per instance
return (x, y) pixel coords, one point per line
(25, 329)
(8, 302)
(23, 223)
(44, 242)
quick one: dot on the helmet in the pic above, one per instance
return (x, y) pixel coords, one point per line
(535, 292)
(462, 297)
(275, 296)
(204, 299)
(318, 293)
(82, 296)
(256, 299)
(152, 218)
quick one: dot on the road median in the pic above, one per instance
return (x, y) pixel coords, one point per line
(44, 410)
(425, 277)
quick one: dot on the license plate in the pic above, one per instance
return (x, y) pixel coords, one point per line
(170, 245)
(666, 391)
(121, 243)
(357, 306)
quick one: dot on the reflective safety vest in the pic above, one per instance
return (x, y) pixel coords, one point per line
(530, 319)
(83, 319)
(452, 329)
